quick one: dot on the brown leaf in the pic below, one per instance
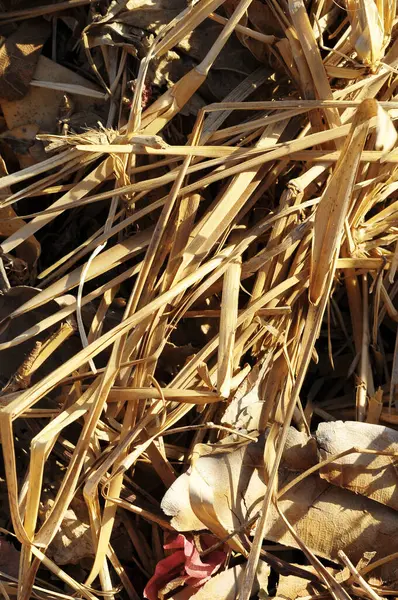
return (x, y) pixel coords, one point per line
(226, 490)
(12, 358)
(9, 558)
(226, 585)
(261, 18)
(367, 474)
(244, 411)
(73, 541)
(150, 15)
(19, 56)
(29, 250)
(291, 587)
(35, 106)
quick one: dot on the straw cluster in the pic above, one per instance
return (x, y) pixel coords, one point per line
(274, 222)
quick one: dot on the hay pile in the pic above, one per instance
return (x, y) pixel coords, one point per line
(198, 208)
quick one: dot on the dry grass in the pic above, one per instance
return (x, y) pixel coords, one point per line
(270, 229)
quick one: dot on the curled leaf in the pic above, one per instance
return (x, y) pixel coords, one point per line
(184, 564)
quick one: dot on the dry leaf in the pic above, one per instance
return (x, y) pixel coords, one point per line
(181, 191)
(73, 541)
(260, 17)
(226, 585)
(292, 587)
(226, 490)
(328, 519)
(34, 107)
(18, 57)
(220, 487)
(184, 565)
(12, 358)
(176, 498)
(29, 250)
(386, 135)
(245, 409)
(375, 407)
(368, 33)
(366, 474)
(150, 14)
(9, 558)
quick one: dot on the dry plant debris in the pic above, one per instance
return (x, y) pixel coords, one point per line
(198, 299)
